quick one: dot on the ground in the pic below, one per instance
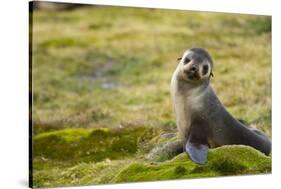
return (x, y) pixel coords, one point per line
(101, 101)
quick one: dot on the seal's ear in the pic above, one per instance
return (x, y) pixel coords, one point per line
(179, 58)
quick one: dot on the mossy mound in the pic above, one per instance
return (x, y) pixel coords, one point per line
(99, 156)
(84, 145)
(226, 160)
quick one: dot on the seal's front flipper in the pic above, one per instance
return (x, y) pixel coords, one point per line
(196, 144)
(197, 152)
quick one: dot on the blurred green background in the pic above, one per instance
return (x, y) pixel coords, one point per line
(105, 71)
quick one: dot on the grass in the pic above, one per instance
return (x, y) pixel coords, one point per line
(102, 84)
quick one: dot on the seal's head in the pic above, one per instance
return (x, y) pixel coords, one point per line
(195, 66)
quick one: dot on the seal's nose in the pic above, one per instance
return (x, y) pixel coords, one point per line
(193, 69)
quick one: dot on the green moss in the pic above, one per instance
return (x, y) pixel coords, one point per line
(79, 174)
(180, 170)
(105, 155)
(68, 135)
(84, 145)
(226, 160)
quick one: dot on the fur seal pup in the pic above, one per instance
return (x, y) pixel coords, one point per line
(202, 120)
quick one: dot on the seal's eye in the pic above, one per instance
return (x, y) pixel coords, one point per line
(205, 69)
(186, 60)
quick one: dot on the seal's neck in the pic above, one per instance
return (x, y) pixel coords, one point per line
(192, 88)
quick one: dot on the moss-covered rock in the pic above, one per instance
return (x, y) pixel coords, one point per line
(226, 160)
(166, 146)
